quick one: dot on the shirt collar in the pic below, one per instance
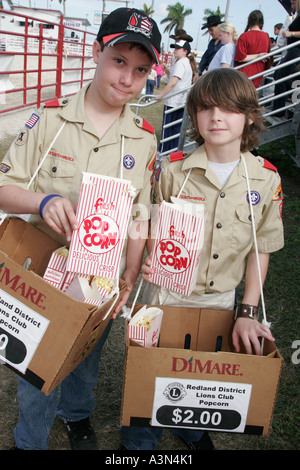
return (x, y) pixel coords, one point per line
(74, 111)
(198, 159)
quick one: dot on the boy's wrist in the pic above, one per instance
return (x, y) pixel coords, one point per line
(246, 311)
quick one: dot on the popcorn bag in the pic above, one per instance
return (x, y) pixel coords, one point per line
(177, 246)
(144, 327)
(103, 213)
(91, 289)
(56, 269)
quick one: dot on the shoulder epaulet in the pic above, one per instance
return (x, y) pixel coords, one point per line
(143, 124)
(147, 126)
(175, 156)
(269, 165)
(56, 102)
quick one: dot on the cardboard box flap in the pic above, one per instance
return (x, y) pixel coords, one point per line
(21, 241)
(219, 325)
(184, 327)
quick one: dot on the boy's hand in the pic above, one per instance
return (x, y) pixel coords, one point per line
(249, 331)
(130, 281)
(147, 271)
(59, 214)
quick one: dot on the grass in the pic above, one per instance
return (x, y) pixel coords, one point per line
(282, 307)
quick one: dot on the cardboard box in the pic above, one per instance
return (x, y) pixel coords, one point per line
(44, 334)
(177, 247)
(188, 382)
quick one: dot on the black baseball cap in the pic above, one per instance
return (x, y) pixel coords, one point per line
(131, 25)
(182, 44)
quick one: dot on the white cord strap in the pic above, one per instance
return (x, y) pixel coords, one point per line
(264, 321)
(46, 155)
(4, 215)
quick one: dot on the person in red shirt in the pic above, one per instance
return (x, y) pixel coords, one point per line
(253, 43)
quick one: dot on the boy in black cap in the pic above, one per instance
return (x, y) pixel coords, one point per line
(94, 131)
(214, 44)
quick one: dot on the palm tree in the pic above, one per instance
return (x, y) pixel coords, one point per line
(148, 10)
(176, 17)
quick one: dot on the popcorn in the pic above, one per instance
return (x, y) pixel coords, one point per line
(91, 289)
(102, 282)
(144, 327)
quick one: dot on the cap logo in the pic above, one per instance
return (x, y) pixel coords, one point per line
(140, 24)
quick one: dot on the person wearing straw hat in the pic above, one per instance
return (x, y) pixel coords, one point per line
(214, 44)
(95, 131)
(226, 123)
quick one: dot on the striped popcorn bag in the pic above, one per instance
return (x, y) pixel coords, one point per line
(177, 246)
(103, 214)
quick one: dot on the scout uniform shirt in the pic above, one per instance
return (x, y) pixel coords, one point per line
(78, 149)
(228, 236)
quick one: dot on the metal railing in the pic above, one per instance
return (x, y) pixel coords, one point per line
(33, 46)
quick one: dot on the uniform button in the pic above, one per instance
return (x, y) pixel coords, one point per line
(222, 194)
(211, 283)
(54, 169)
(215, 256)
(96, 149)
(250, 218)
(65, 101)
(219, 225)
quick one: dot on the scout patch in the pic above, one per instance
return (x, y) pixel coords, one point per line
(152, 164)
(278, 196)
(128, 162)
(32, 121)
(4, 168)
(22, 138)
(255, 198)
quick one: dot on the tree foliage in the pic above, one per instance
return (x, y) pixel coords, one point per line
(176, 17)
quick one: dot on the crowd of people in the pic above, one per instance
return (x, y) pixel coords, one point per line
(96, 131)
(227, 49)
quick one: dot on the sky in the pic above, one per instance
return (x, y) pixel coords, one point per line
(238, 13)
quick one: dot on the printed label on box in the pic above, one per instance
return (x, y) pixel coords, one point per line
(200, 404)
(21, 331)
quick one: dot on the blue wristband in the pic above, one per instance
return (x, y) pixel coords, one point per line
(44, 202)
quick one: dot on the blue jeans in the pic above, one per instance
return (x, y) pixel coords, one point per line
(73, 400)
(136, 438)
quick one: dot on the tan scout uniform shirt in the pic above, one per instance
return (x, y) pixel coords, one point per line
(79, 149)
(228, 236)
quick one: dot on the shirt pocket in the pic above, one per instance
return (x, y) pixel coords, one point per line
(58, 175)
(242, 234)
